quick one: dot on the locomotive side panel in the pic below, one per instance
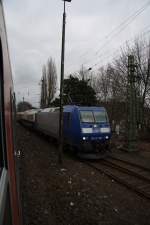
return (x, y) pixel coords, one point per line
(71, 126)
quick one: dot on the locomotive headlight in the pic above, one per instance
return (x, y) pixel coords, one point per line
(106, 137)
(87, 130)
(85, 138)
(105, 130)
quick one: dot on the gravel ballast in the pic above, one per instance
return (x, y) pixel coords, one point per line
(73, 193)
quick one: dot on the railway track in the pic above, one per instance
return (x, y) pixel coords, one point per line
(133, 176)
(130, 163)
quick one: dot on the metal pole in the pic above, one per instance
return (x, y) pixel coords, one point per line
(62, 89)
(131, 128)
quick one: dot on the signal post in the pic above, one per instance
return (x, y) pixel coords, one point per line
(131, 106)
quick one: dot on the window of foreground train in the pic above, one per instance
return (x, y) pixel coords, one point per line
(5, 210)
(2, 164)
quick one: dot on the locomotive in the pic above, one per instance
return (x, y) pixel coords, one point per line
(86, 129)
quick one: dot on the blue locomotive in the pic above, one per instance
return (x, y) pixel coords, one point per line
(86, 129)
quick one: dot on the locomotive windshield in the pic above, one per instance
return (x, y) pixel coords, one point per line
(100, 116)
(93, 116)
(87, 117)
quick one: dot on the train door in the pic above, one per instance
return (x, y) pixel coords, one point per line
(5, 209)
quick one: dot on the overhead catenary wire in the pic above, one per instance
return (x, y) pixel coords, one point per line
(116, 31)
(125, 23)
(101, 56)
(112, 54)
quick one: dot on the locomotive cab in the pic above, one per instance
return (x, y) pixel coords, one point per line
(95, 129)
(87, 129)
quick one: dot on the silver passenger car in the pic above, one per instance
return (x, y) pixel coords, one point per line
(30, 115)
(47, 121)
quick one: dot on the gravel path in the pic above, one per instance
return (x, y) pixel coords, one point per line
(72, 194)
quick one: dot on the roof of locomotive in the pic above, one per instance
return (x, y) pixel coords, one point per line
(88, 108)
(69, 108)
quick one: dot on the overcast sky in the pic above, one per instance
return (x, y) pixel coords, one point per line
(34, 34)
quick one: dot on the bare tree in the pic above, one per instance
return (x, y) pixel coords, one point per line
(110, 82)
(51, 80)
(43, 101)
(142, 52)
(48, 83)
(102, 84)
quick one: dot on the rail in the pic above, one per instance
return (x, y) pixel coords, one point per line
(104, 168)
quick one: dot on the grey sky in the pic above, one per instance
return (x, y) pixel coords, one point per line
(34, 34)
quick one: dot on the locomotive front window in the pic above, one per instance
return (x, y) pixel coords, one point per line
(100, 116)
(87, 117)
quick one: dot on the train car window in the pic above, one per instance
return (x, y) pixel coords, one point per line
(87, 117)
(13, 116)
(1, 73)
(100, 116)
(2, 140)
